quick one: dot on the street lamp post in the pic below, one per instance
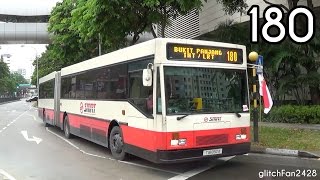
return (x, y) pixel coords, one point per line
(37, 66)
(253, 56)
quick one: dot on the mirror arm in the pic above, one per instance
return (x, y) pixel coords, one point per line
(150, 66)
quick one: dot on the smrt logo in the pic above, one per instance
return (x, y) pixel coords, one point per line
(212, 119)
(89, 108)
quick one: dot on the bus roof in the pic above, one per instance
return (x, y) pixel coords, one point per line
(144, 49)
(47, 77)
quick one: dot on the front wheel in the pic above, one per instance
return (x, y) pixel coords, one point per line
(116, 144)
(66, 128)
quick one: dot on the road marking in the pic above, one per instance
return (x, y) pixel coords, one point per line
(6, 175)
(103, 157)
(188, 174)
(148, 167)
(36, 139)
(34, 118)
(13, 121)
(76, 147)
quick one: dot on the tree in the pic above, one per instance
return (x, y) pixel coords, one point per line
(7, 84)
(167, 9)
(233, 6)
(114, 20)
(67, 46)
(18, 78)
(4, 70)
(283, 65)
(304, 55)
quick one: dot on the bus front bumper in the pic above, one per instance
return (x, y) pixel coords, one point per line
(175, 156)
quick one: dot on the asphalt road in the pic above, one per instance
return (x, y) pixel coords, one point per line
(28, 151)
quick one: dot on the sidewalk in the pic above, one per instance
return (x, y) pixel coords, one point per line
(287, 152)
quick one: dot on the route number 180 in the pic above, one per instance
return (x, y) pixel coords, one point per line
(275, 21)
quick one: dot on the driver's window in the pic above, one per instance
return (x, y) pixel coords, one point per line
(139, 95)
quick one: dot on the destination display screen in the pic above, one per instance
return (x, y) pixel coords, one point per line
(187, 52)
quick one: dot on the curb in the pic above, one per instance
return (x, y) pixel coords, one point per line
(285, 152)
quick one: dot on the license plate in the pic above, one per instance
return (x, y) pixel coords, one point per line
(212, 152)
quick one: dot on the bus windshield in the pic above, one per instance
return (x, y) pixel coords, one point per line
(205, 90)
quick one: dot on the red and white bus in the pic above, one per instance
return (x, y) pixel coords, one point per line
(164, 100)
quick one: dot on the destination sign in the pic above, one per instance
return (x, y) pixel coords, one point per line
(187, 52)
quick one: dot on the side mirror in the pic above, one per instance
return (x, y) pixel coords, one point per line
(147, 77)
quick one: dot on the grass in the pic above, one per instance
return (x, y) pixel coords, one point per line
(298, 139)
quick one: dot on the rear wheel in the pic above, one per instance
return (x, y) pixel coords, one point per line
(66, 128)
(116, 144)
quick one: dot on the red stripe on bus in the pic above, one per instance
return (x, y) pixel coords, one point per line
(205, 138)
(150, 140)
(49, 113)
(153, 140)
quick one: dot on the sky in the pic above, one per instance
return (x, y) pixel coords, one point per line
(22, 56)
(41, 7)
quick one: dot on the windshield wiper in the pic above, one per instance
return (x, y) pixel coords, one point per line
(192, 112)
(181, 117)
(238, 114)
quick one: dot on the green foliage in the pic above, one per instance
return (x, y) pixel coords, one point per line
(167, 9)
(233, 6)
(115, 20)
(291, 69)
(18, 79)
(4, 70)
(9, 82)
(294, 114)
(77, 27)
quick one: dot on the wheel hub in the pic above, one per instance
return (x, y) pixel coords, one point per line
(117, 143)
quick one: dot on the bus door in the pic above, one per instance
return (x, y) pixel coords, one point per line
(57, 86)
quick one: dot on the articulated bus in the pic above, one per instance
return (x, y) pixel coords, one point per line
(164, 100)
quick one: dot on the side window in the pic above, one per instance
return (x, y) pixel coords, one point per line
(41, 90)
(52, 88)
(101, 83)
(80, 86)
(66, 87)
(111, 82)
(91, 84)
(47, 90)
(158, 99)
(120, 81)
(116, 85)
(140, 95)
(73, 87)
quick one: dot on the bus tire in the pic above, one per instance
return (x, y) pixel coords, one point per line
(116, 144)
(66, 128)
